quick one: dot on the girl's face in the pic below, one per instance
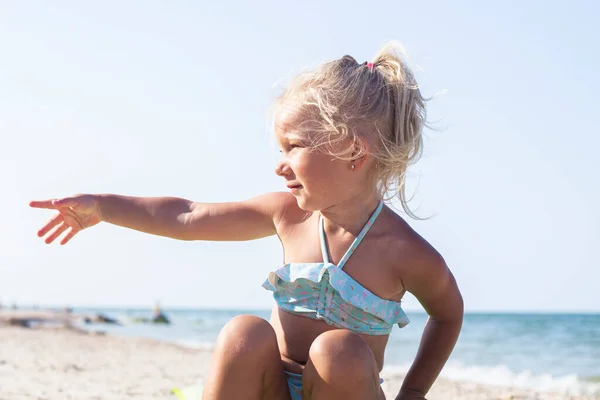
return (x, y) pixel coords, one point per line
(317, 179)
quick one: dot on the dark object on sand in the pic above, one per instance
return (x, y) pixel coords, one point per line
(22, 322)
(160, 319)
(156, 319)
(101, 319)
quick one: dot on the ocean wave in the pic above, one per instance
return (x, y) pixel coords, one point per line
(501, 375)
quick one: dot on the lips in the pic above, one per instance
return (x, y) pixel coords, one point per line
(292, 187)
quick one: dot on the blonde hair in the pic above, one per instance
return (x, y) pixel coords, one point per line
(378, 106)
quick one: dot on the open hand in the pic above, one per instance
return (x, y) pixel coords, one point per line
(74, 214)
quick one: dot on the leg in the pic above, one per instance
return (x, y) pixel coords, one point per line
(341, 366)
(246, 363)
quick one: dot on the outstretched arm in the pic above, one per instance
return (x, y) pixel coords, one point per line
(166, 216)
(186, 220)
(434, 286)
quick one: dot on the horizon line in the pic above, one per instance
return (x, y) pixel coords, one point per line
(29, 306)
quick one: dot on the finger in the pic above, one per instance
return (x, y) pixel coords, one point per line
(54, 203)
(42, 204)
(68, 236)
(52, 222)
(56, 233)
(65, 202)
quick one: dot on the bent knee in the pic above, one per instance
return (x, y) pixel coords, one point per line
(342, 351)
(245, 334)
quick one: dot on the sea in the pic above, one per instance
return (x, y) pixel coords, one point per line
(553, 352)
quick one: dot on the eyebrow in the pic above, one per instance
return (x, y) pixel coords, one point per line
(294, 136)
(291, 134)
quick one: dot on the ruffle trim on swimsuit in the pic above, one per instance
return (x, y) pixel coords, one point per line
(349, 290)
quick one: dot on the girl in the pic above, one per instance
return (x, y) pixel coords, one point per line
(347, 132)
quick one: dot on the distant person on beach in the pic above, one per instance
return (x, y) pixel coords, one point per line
(348, 132)
(158, 316)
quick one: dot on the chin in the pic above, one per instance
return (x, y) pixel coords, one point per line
(303, 204)
(308, 205)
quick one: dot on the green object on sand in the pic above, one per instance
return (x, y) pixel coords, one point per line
(189, 393)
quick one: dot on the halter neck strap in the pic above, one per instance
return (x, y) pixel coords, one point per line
(356, 241)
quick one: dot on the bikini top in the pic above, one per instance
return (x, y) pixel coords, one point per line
(324, 291)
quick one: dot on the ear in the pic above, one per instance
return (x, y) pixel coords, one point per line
(360, 153)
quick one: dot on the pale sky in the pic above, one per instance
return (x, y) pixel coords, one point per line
(170, 98)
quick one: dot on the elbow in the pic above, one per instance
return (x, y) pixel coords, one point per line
(453, 312)
(460, 306)
(457, 311)
(186, 227)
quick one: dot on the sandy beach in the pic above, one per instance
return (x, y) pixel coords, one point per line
(61, 363)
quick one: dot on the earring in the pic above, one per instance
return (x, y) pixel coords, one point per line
(352, 166)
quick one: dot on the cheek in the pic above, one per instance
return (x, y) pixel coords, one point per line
(318, 170)
(303, 166)
(322, 172)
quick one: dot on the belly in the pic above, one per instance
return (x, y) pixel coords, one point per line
(300, 332)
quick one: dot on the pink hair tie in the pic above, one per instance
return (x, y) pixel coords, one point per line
(370, 65)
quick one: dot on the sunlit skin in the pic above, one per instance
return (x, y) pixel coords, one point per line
(391, 260)
(318, 181)
(74, 215)
(327, 183)
(338, 191)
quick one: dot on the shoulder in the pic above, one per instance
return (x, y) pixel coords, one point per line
(424, 272)
(284, 208)
(413, 257)
(275, 200)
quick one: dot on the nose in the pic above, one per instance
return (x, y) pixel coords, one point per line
(282, 168)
